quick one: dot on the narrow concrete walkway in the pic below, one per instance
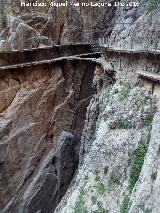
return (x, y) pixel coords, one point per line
(86, 56)
(150, 75)
(120, 50)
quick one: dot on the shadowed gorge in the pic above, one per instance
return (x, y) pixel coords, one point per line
(33, 118)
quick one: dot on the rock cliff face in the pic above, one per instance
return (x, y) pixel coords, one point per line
(119, 153)
(113, 175)
(28, 27)
(42, 115)
(101, 119)
(137, 28)
(46, 26)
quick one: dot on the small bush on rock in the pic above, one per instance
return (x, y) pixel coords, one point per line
(137, 163)
(100, 208)
(125, 205)
(101, 188)
(126, 125)
(80, 206)
(153, 5)
(94, 200)
(114, 178)
(147, 120)
(97, 177)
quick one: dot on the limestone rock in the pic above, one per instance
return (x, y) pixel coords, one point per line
(66, 24)
(7, 93)
(12, 23)
(52, 180)
(24, 37)
(136, 28)
(38, 108)
(4, 46)
(105, 180)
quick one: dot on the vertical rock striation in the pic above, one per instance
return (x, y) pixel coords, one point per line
(43, 110)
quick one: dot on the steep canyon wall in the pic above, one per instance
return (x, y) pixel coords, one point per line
(42, 113)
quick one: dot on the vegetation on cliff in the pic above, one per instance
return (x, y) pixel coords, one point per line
(153, 5)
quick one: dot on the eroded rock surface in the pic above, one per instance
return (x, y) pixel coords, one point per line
(51, 181)
(43, 110)
(137, 28)
(126, 26)
(63, 25)
(40, 106)
(113, 176)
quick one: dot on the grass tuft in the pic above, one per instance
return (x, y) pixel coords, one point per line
(125, 205)
(114, 179)
(126, 125)
(80, 206)
(153, 5)
(137, 163)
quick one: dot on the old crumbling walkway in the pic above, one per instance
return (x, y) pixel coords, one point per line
(47, 53)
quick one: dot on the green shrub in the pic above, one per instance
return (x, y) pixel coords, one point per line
(80, 206)
(153, 5)
(126, 125)
(124, 94)
(137, 163)
(97, 178)
(100, 208)
(114, 179)
(94, 199)
(125, 205)
(86, 178)
(101, 188)
(147, 120)
(108, 152)
(105, 118)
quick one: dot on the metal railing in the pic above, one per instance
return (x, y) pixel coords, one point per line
(151, 41)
